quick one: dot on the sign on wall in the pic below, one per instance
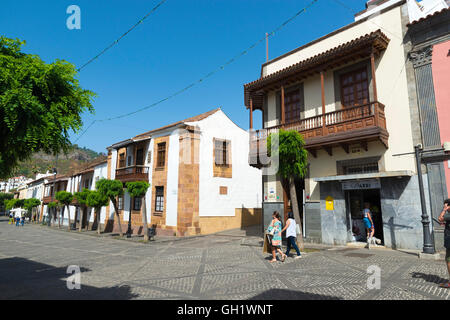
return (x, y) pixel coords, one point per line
(361, 184)
(329, 203)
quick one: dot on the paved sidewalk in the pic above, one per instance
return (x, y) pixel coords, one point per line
(34, 261)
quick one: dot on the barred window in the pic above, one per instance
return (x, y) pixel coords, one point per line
(159, 199)
(361, 168)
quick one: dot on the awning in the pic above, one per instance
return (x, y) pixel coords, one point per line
(374, 175)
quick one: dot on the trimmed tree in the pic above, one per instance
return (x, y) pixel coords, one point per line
(138, 189)
(52, 207)
(81, 198)
(41, 105)
(65, 199)
(30, 204)
(97, 200)
(293, 163)
(111, 189)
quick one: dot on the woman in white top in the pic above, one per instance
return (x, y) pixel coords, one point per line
(291, 235)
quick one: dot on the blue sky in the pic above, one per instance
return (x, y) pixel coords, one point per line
(178, 44)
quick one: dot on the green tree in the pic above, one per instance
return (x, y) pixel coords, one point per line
(293, 163)
(112, 189)
(138, 189)
(81, 198)
(40, 104)
(65, 199)
(3, 198)
(10, 204)
(30, 204)
(97, 200)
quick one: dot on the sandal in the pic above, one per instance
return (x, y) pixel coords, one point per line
(283, 258)
(445, 285)
(273, 260)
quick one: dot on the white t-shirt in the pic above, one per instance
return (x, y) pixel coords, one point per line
(291, 230)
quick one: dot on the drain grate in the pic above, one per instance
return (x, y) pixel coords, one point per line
(358, 255)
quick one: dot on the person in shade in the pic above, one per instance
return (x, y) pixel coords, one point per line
(276, 227)
(291, 235)
(444, 219)
(368, 222)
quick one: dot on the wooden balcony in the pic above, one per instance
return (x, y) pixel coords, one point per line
(132, 173)
(47, 199)
(359, 124)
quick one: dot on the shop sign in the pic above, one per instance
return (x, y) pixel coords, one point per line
(361, 184)
(272, 194)
(329, 203)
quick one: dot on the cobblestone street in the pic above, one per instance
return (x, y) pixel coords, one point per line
(34, 260)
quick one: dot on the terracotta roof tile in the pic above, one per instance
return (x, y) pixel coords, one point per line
(321, 56)
(428, 16)
(191, 119)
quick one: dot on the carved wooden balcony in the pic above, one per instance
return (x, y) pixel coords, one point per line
(359, 124)
(132, 173)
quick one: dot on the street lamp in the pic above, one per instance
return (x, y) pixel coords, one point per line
(428, 246)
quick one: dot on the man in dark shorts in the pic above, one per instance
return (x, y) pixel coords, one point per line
(444, 217)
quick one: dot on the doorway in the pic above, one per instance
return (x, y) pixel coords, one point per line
(356, 200)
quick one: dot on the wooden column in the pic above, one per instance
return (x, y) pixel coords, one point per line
(374, 88)
(251, 113)
(282, 105)
(322, 86)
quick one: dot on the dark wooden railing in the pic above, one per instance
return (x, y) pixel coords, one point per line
(132, 173)
(331, 123)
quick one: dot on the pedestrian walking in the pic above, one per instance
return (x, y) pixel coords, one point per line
(11, 218)
(444, 219)
(274, 230)
(368, 222)
(291, 235)
(22, 219)
(17, 217)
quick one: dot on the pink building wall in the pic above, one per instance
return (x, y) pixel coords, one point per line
(441, 79)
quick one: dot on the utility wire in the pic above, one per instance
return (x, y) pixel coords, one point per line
(221, 67)
(122, 36)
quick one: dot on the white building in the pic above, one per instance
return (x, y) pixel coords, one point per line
(200, 179)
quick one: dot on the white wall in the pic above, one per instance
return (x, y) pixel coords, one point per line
(244, 188)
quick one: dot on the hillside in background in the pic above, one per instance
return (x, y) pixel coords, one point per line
(41, 162)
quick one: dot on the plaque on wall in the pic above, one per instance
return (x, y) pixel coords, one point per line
(361, 184)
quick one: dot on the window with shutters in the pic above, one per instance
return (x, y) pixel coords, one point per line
(355, 88)
(292, 106)
(221, 152)
(122, 160)
(161, 157)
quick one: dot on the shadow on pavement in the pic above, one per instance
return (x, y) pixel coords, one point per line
(429, 277)
(284, 294)
(25, 279)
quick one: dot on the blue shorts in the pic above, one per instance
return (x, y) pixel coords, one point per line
(367, 223)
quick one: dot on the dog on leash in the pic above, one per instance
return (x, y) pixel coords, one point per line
(373, 241)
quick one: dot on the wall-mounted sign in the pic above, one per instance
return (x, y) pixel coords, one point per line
(272, 194)
(361, 184)
(329, 203)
